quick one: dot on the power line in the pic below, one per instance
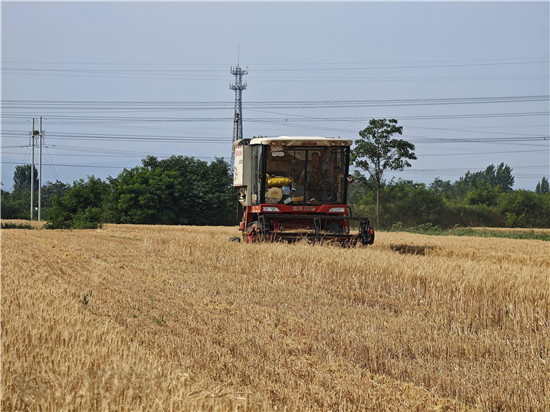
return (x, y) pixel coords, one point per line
(105, 153)
(85, 165)
(279, 64)
(477, 153)
(352, 119)
(343, 66)
(286, 103)
(51, 164)
(191, 139)
(69, 165)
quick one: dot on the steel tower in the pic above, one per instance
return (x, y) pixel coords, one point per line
(238, 86)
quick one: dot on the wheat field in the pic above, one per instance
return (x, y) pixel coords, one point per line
(179, 318)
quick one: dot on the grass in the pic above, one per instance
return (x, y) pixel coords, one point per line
(510, 233)
(179, 318)
(16, 226)
(22, 224)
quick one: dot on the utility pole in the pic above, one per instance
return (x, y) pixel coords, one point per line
(36, 134)
(41, 137)
(33, 133)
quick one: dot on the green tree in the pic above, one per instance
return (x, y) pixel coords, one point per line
(81, 207)
(22, 178)
(360, 188)
(410, 203)
(15, 205)
(543, 186)
(443, 188)
(10, 209)
(146, 196)
(377, 152)
(178, 190)
(483, 194)
(523, 208)
(52, 190)
(492, 176)
(502, 177)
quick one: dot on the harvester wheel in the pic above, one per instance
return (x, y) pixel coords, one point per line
(252, 232)
(370, 236)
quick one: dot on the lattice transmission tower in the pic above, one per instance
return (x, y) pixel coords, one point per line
(238, 86)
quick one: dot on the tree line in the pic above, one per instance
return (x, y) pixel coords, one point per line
(465, 202)
(484, 198)
(175, 191)
(186, 191)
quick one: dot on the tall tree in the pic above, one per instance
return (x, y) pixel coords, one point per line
(492, 176)
(543, 186)
(503, 177)
(443, 187)
(22, 178)
(51, 190)
(376, 151)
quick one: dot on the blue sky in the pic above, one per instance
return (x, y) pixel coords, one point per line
(115, 81)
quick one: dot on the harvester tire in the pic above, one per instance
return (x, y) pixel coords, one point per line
(252, 232)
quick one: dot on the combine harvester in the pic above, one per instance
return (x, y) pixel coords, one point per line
(293, 188)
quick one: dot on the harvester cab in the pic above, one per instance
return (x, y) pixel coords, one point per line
(294, 188)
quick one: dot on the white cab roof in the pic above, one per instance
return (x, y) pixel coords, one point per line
(301, 141)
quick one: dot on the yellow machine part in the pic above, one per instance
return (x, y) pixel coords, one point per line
(278, 181)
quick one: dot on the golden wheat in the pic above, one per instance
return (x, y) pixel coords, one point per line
(179, 318)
